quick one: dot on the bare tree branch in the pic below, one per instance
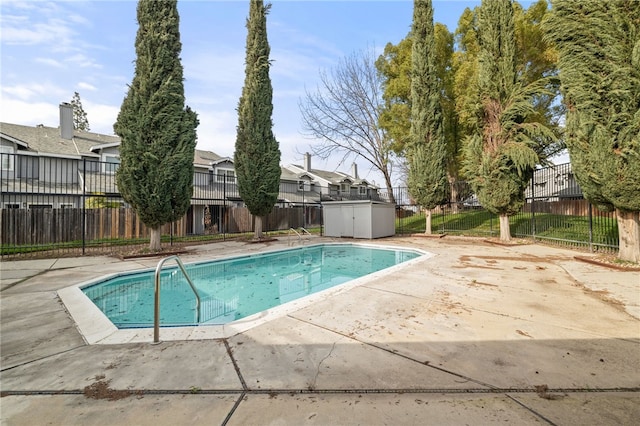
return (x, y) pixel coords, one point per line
(344, 113)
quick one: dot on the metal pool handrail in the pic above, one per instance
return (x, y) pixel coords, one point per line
(297, 233)
(304, 231)
(156, 311)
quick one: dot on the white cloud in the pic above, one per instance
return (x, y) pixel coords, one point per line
(217, 131)
(79, 19)
(20, 30)
(294, 66)
(292, 148)
(83, 61)
(51, 62)
(51, 26)
(29, 113)
(101, 117)
(26, 92)
(86, 86)
(313, 46)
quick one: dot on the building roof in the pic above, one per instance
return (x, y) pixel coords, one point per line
(333, 178)
(47, 140)
(286, 174)
(205, 158)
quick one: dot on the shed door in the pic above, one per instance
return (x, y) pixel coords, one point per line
(347, 221)
(362, 221)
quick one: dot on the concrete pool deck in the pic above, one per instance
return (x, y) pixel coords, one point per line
(477, 334)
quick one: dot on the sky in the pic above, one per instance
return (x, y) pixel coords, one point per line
(51, 49)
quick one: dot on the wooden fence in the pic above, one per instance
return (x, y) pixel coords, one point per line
(578, 207)
(28, 227)
(239, 219)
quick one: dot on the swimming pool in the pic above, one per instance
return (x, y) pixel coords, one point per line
(239, 287)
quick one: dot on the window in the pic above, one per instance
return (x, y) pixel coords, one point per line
(11, 206)
(345, 188)
(6, 152)
(66, 205)
(362, 190)
(304, 185)
(40, 206)
(111, 163)
(225, 175)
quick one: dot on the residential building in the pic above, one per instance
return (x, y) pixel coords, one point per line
(59, 167)
(48, 167)
(553, 183)
(326, 185)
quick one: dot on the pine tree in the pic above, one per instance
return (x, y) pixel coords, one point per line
(157, 131)
(257, 155)
(80, 121)
(427, 150)
(503, 148)
(599, 50)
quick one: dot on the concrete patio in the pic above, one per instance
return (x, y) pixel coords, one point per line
(477, 334)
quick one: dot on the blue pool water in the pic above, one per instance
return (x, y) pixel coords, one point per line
(235, 288)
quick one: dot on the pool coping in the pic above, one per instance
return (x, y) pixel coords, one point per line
(96, 328)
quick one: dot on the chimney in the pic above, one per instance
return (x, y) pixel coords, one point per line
(66, 120)
(354, 170)
(307, 162)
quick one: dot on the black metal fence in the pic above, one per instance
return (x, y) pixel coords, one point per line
(555, 212)
(58, 206)
(63, 207)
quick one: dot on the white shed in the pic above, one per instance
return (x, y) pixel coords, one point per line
(359, 219)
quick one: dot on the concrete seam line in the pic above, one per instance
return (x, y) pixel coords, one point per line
(235, 365)
(233, 409)
(303, 391)
(531, 410)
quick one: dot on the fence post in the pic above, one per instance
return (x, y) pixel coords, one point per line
(223, 210)
(84, 204)
(321, 215)
(490, 224)
(590, 228)
(533, 206)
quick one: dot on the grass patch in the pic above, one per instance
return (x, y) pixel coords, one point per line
(546, 226)
(470, 222)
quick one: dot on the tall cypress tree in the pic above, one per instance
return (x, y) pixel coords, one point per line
(257, 155)
(599, 61)
(157, 131)
(427, 179)
(503, 148)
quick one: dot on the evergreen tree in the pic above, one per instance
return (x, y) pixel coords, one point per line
(426, 153)
(257, 155)
(458, 72)
(80, 121)
(503, 149)
(157, 131)
(599, 61)
(395, 117)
